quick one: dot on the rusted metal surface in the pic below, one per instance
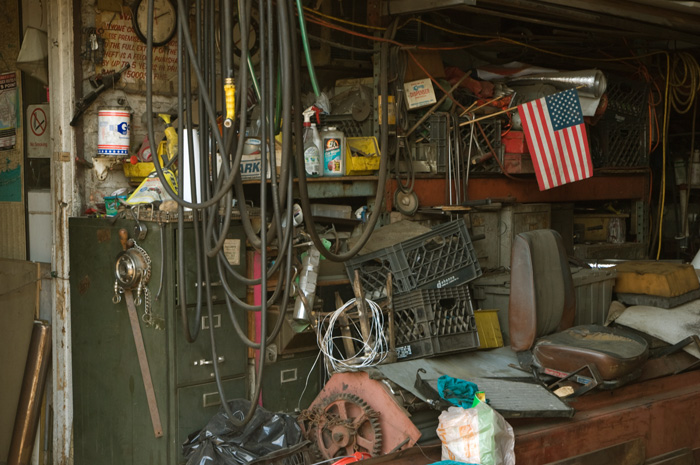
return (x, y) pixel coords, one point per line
(431, 191)
(62, 69)
(394, 423)
(373, 13)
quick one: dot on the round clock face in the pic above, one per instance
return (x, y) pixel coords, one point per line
(164, 21)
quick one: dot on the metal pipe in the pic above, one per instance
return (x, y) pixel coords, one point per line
(31, 395)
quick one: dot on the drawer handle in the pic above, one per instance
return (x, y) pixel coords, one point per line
(288, 376)
(202, 362)
(211, 399)
(217, 321)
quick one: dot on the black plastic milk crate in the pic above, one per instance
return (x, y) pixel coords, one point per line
(440, 258)
(434, 321)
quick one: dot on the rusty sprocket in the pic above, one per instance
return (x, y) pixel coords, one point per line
(344, 424)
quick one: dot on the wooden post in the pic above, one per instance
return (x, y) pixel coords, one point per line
(361, 307)
(390, 311)
(345, 329)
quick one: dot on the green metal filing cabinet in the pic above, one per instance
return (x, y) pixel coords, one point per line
(112, 424)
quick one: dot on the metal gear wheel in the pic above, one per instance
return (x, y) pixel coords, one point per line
(345, 424)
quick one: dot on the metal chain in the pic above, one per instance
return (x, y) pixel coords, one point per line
(147, 316)
(117, 290)
(147, 275)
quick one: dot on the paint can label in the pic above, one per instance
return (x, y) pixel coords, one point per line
(114, 130)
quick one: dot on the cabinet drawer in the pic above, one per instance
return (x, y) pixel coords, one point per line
(234, 248)
(193, 361)
(196, 405)
(283, 382)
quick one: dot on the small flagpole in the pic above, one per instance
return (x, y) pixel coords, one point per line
(507, 110)
(472, 121)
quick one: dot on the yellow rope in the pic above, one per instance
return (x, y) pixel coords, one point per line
(522, 44)
(333, 18)
(664, 132)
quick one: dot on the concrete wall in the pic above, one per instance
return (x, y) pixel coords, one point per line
(97, 16)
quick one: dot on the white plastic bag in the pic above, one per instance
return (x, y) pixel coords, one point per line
(476, 435)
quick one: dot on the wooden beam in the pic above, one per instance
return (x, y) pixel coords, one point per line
(432, 191)
(626, 453)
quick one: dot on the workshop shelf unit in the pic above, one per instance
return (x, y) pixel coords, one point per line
(112, 424)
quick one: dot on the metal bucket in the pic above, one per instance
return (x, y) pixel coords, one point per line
(113, 131)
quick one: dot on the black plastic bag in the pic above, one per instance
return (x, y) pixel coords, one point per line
(222, 443)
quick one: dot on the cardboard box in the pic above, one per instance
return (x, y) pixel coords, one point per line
(430, 60)
(419, 93)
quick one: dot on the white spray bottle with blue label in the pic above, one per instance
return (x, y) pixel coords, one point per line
(312, 145)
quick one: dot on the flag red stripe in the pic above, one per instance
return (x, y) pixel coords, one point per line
(564, 157)
(583, 140)
(559, 157)
(553, 145)
(570, 154)
(531, 131)
(576, 157)
(544, 142)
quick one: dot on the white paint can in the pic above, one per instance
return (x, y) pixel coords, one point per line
(113, 131)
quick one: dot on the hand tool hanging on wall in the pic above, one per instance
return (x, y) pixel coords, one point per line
(133, 269)
(100, 85)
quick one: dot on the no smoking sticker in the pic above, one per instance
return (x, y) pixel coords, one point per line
(37, 122)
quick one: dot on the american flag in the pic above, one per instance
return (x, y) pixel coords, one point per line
(556, 137)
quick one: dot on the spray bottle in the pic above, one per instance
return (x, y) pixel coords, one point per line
(312, 144)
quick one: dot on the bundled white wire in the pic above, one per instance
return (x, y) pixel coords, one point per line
(372, 350)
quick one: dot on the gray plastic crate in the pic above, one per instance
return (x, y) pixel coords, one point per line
(444, 257)
(434, 321)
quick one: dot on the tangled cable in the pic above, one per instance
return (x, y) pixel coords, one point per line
(684, 81)
(372, 350)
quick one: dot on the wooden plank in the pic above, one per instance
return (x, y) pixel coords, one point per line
(626, 453)
(678, 457)
(602, 186)
(661, 411)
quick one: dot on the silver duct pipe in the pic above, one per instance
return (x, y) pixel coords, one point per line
(592, 82)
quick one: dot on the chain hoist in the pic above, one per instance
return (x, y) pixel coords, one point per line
(133, 271)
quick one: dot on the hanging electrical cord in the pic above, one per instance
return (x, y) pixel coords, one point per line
(684, 81)
(664, 140)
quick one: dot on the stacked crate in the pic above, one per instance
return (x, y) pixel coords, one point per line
(430, 274)
(620, 138)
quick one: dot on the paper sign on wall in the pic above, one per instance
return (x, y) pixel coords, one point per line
(38, 131)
